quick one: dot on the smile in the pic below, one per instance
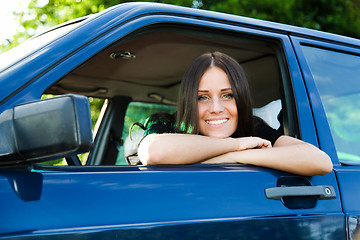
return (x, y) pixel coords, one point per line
(217, 122)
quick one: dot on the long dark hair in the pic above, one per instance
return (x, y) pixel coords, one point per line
(187, 115)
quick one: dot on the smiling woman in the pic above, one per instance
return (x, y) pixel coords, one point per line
(218, 116)
(215, 116)
(223, 84)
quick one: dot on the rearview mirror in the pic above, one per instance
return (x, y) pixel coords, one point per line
(45, 129)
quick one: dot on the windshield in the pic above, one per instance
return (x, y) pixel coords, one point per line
(14, 55)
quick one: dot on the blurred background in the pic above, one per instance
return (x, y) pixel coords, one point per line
(21, 19)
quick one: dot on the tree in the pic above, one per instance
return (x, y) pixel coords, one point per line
(336, 16)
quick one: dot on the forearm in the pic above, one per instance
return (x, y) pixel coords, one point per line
(293, 159)
(300, 158)
(182, 148)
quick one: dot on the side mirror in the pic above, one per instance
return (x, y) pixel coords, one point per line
(45, 129)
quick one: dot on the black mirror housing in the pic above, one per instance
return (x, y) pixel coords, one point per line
(45, 129)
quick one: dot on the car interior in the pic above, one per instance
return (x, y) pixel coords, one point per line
(140, 74)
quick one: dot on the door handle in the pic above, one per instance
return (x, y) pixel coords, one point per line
(320, 192)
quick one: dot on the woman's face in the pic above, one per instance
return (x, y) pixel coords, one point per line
(218, 115)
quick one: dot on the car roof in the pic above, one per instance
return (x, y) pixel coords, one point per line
(150, 75)
(136, 9)
(102, 23)
(159, 8)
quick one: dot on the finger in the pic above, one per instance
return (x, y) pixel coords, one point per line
(267, 144)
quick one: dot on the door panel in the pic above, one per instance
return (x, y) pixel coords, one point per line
(332, 76)
(228, 201)
(289, 228)
(349, 177)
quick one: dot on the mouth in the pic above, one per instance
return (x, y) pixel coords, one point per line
(217, 122)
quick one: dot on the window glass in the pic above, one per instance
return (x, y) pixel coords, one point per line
(137, 112)
(337, 77)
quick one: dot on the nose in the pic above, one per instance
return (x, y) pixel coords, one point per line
(216, 106)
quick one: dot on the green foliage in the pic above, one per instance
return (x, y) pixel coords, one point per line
(95, 106)
(336, 16)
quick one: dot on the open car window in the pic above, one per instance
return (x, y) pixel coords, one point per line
(140, 74)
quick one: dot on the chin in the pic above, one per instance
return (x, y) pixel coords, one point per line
(218, 135)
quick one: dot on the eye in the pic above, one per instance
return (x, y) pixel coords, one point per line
(227, 96)
(203, 98)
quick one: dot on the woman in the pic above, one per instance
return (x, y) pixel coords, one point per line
(215, 117)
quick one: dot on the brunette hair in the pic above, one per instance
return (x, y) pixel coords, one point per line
(187, 115)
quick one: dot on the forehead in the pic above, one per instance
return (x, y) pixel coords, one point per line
(214, 78)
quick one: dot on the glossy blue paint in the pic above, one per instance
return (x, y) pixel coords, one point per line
(278, 229)
(208, 202)
(347, 176)
(354, 227)
(97, 199)
(303, 110)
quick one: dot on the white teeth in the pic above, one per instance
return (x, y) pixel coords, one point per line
(216, 122)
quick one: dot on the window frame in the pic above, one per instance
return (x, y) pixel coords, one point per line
(297, 112)
(289, 70)
(324, 135)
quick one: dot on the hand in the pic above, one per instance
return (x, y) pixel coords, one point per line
(252, 142)
(244, 143)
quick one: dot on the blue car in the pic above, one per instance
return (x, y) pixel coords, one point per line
(63, 176)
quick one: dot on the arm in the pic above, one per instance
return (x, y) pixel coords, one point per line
(188, 148)
(288, 154)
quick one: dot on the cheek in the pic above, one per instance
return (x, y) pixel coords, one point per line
(201, 110)
(233, 110)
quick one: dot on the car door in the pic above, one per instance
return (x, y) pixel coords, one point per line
(212, 201)
(331, 72)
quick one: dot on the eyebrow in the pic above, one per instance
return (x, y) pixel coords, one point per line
(222, 90)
